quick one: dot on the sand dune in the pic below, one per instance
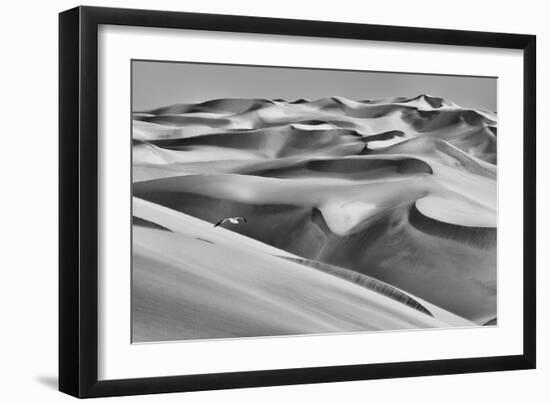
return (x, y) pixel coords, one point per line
(399, 191)
(410, 116)
(179, 293)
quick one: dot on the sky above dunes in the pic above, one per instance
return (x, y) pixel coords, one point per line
(156, 84)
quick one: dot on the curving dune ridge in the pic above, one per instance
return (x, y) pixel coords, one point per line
(361, 215)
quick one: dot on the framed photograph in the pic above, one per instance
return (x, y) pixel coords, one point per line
(252, 201)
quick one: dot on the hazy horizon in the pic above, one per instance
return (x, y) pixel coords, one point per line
(159, 83)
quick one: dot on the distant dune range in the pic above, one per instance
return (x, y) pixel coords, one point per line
(401, 191)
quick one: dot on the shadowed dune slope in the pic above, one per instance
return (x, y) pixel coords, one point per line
(352, 168)
(273, 142)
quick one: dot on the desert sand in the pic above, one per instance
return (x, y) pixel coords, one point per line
(361, 216)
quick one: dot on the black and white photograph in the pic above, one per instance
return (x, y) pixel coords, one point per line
(280, 201)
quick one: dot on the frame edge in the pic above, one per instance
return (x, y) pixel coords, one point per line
(529, 201)
(69, 80)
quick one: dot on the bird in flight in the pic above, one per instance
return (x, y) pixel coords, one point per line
(232, 220)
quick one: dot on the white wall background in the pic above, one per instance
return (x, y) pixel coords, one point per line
(28, 174)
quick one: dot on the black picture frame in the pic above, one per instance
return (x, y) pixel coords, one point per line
(78, 201)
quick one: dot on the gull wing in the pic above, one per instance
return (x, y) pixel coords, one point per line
(220, 222)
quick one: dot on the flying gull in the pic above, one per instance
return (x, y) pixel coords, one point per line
(232, 220)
